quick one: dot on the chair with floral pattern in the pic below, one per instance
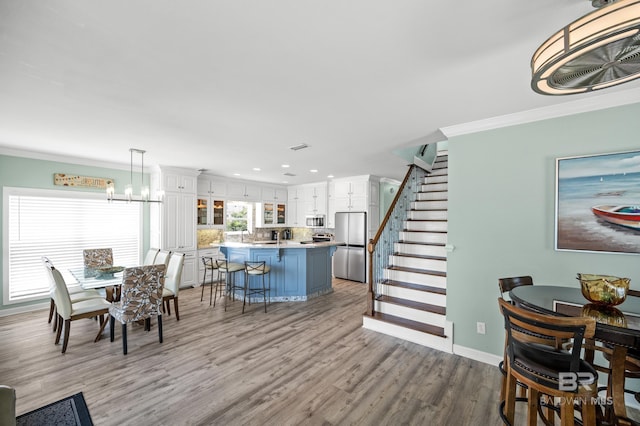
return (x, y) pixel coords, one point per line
(94, 258)
(141, 299)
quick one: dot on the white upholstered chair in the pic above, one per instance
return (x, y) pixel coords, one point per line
(150, 257)
(172, 281)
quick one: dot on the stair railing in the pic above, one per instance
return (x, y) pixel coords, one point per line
(381, 247)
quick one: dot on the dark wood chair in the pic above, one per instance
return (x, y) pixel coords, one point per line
(507, 284)
(542, 368)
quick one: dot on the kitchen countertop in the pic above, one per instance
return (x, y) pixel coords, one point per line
(282, 244)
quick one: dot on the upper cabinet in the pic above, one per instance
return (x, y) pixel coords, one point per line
(306, 200)
(178, 182)
(243, 191)
(211, 201)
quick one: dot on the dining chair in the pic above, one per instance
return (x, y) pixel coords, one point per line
(94, 258)
(150, 257)
(68, 311)
(141, 299)
(507, 284)
(255, 269)
(162, 257)
(545, 369)
(172, 281)
(76, 293)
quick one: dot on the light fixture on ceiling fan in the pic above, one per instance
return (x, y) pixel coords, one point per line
(599, 50)
(144, 196)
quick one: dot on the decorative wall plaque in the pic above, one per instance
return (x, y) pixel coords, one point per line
(81, 181)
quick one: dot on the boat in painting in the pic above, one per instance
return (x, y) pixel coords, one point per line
(628, 216)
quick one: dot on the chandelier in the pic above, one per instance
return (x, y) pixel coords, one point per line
(599, 50)
(128, 190)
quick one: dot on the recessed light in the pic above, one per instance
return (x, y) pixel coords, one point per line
(284, 181)
(256, 169)
(285, 166)
(236, 174)
(330, 176)
(313, 171)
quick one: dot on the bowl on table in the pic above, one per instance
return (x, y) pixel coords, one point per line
(604, 290)
(107, 271)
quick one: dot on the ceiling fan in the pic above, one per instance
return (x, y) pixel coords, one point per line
(596, 51)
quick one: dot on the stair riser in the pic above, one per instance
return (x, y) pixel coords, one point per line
(434, 187)
(429, 205)
(428, 196)
(439, 172)
(418, 263)
(420, 250)
(426, 226)
(418, 296)
(428, 214)
(444, 344)
(436, 179)
(412, 314)
(423, 237)
(416, 278)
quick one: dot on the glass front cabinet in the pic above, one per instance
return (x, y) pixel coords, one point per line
(271, 214)
(210, 212)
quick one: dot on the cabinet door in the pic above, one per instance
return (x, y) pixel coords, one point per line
(171, 216)
(342, 188)
(202, 216)
(189, 184)
(219, 189)
(342, 204)
(280, 195)
(189, 270)
(187, 222)
(360, 188)
(281, 214)
(217, 212)
(235, 191)
(292, 206)
(321, 199)
(252, 192)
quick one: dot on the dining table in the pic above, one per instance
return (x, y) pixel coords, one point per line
(617, 329)
(91, 279)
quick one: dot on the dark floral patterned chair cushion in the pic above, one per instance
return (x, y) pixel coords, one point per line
(94, 258)
(141, 294)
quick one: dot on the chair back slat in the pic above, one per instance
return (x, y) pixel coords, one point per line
(174, 272)
(507, 284)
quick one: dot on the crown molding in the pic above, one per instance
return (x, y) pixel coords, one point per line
(36, 155)
(593, 103)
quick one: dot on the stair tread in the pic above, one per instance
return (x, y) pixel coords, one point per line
(418, 243)
(418, 287)
(420, 256)
(427, 220)
(418, 271)
(433, 232)
(407, 323)
(426, 307)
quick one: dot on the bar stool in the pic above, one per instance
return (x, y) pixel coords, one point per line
(228, 269)
(209, 266)
(544, 369)
(252, 269)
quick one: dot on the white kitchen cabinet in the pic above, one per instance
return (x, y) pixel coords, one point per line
(173, 223)
(358, 194)
(242, 191)
(274, 194)
(272, 211)
(210, 212)
(331, 205)
(212, 186)
(306, 200)
(293, 218)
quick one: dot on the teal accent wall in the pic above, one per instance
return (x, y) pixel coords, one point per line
(502, 213)
(32, 173)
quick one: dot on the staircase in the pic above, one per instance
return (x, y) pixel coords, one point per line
(410, 298)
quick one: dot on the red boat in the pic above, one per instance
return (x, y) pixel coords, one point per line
(628, 216)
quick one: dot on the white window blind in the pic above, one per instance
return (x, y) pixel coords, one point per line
(59, 225)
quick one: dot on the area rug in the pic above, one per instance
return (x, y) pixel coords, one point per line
(70, 411)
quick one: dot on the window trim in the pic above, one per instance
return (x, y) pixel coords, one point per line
(7, 192)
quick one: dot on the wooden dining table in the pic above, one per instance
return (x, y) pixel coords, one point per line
(617, 328)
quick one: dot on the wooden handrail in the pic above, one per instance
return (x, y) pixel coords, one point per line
(374, 241)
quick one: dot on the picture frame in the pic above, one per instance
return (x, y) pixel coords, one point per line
(598, 203)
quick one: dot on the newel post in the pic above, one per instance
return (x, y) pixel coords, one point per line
(370, 293)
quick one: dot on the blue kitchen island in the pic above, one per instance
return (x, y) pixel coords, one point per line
(298, 271)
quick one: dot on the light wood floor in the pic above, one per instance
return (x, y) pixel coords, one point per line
(301, 363)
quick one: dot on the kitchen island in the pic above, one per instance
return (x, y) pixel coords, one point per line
(298, 271)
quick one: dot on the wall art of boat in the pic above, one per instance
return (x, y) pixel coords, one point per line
(628, 216)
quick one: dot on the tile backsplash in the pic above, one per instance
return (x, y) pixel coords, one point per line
(208, 236)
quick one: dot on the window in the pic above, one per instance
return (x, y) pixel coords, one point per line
(59, 225)
(240, 216)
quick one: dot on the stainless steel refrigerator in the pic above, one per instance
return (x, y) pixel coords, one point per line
(349, 261)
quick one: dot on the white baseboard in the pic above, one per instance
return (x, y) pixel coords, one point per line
(22, 309)
(477, 355)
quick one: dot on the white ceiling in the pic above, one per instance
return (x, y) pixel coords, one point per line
(231, 85)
